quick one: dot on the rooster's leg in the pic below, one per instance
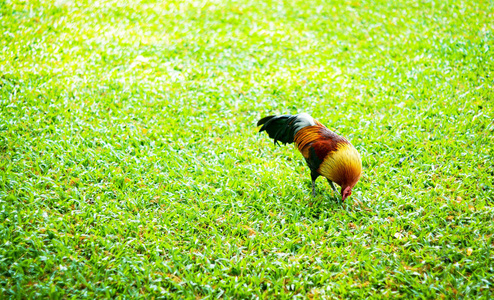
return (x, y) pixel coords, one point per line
(332, 185)
(313, 189)
(313, 176)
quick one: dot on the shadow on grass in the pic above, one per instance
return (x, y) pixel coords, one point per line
(322, 205)
(325, 202)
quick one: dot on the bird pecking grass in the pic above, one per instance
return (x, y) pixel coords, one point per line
(130, 165)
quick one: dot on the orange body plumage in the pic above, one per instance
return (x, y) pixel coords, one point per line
(326, 153)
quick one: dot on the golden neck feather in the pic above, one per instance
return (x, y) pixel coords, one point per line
(342, 166)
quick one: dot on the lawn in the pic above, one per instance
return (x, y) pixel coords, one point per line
(131, 166)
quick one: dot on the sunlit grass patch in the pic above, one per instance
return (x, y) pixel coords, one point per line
(130, 164)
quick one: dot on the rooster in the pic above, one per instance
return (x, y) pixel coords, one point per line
(326, 153)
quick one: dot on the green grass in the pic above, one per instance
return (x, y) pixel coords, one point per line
(130, 164)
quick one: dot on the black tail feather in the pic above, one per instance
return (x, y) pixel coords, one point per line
(280, 128)
(264, 120)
